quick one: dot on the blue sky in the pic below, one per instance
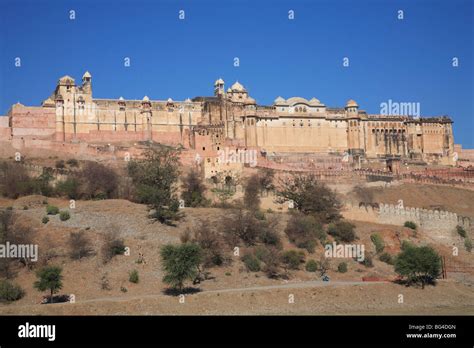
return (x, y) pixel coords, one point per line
(407, 60)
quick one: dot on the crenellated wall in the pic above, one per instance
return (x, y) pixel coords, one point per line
(440, 223)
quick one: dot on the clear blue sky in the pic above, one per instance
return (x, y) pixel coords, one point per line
(406, 61)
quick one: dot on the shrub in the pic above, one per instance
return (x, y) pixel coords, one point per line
(342, 267)
(25, 207)
(410, 224)
(251, 262)
(304, 231)
(272, 261)
(378, 243)
(270, 237)
(259, 215)
(98, 181)
(112, 245)
(387, 258)
(406, 244)
(292, 259)
(324, 265)
(311, 266)
(418, 264)
(310, 197)
(468, 244)
(64, 215)
(45, 219)
(265, 177)
(367, 261)
(68, 188)
(210, 242)
(133, 276)
(14, 180)
(180, 263)
(155, 177)
(252, 193)
(59, 164)
(52, 210)
(79, 245)
(72, 162)
(10, 292)
(49, 278)
(242, 226)
(342, 231)
(193, 190)
(461, 231)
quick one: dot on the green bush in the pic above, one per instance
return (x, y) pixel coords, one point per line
(133, 276)
(25, 207)
(387, 258)
(310, 197)
(468, 244)
(461, 231)
(293, 258)
(45, 219)
(52, 210)
(251, 263)
(180, 263)
(410, 224)
(155, 177)
(64, 215)
(378, 242)
(342, 231)
(10, 292)
(342, 267)
(311, 266)
(68, 188)
(418, 264)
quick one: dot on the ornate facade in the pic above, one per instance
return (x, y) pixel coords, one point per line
(230, 118)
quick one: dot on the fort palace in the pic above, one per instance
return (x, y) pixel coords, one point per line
(230, 117)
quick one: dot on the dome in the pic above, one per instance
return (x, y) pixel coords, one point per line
(238, 87)
(86, 75)
(121, 98)
(351, 103)
(315, 102)
(279, 101)
(229, 90)
(146, 99)
(297, 100)
(219, 82)
(170, 100)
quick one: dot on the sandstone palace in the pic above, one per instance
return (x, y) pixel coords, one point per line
(71, 115)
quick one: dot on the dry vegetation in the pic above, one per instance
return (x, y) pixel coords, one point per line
(250, 259)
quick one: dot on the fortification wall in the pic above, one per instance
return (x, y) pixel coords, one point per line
(439, 223)
(33, 122)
